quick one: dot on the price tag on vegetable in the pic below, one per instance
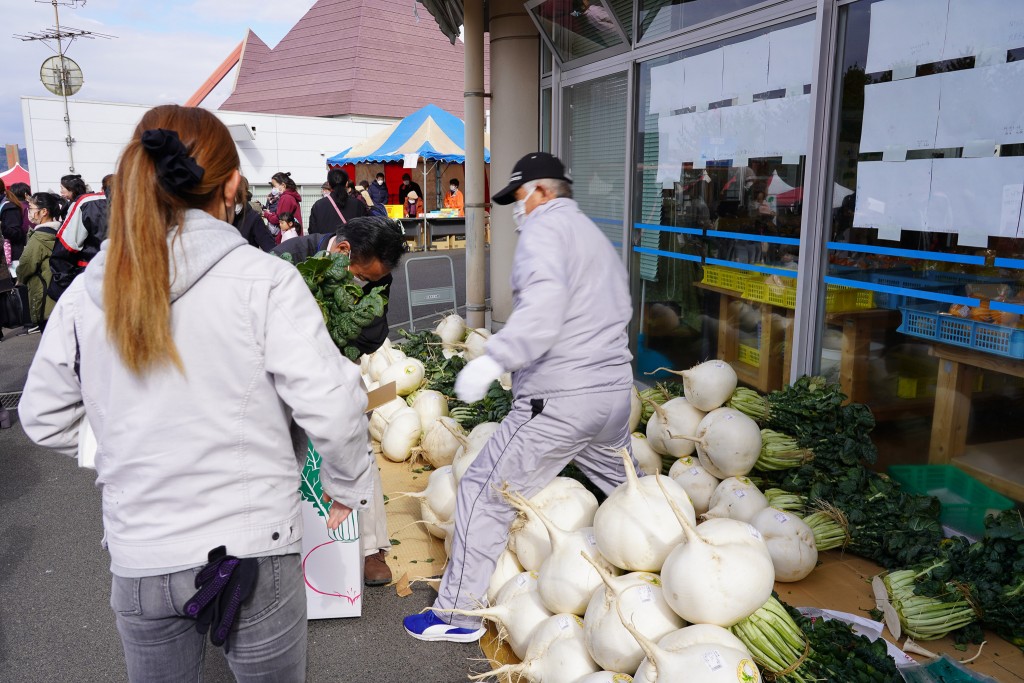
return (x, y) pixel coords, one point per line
(694, 472)
(754, 532)
(713, 659)
(781, 517)
(564, 622)
(739, 494)
(646, 594)
(591, 540)
(521, 580)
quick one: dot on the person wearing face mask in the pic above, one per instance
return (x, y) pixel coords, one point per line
(566, 345)
(379, 190)
(375, 245)
(80, 235)
(454, 198)
(287, 193)
(408, 185)
(34, 266)
(248, 222)
(334, 211)
(413, 206)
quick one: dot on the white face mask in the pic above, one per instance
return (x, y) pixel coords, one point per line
(452, 188)
(238, 209)
(274, 191)
(519, 209)
(360, 281)
(380, 181)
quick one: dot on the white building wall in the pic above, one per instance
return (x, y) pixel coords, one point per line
(297, 144)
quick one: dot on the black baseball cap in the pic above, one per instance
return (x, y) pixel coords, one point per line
(535, 166)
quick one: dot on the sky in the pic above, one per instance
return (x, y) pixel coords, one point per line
(162, 53)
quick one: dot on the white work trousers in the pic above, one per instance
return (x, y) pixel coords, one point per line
(525, 454)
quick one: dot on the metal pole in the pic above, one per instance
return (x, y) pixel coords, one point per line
(476, 248)
(64, 90)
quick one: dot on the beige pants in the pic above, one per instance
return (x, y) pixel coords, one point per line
(373, 521)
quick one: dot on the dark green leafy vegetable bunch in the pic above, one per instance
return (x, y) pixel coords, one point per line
(344, 305)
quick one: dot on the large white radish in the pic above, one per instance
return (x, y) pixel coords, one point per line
(382, 359)
(698, 483)
(517, 619)
(736, 578)
(790, 542)
(566, 579)
(646, 457)
(635, 527)
(407, 374)
(707, 385)
(557, 654)
(439, 495)
(476, 342)
(451, 329)
(701, 634)
(401, 435)
(382, 414)
(606, 677)
(506, 569)
(636, 409)
(430, 405)
(472, 446)
(728, 443)
(566, 503)
(736, 498)
(439, 443)
(640, 601)
(674, 418)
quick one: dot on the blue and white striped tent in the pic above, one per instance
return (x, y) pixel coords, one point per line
(431, 133)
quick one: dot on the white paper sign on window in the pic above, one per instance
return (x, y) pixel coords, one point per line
(745, 68)
(893, 197)
(905, 33)
(790, 56)
(669, 161)
(743, 130)
(900, 115)
(979, 26)
(667, 87)
(976, 198)
(703, 77)
(786, 126)
(985, 103)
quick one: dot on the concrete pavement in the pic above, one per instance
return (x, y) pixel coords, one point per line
(55, 619)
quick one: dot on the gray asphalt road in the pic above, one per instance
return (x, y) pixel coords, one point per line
(55, 620)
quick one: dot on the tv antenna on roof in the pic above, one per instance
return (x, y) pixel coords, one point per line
(60, 74)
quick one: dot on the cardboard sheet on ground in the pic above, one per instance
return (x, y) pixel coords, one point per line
(892, 47)
(978, 104)
(901, 115)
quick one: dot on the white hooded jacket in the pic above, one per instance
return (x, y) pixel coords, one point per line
(188, 462)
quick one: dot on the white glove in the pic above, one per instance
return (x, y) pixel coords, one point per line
(475, 379)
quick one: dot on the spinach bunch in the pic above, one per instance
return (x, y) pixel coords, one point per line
(346, 308)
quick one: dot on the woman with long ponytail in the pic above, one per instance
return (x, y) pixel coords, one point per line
(194, 360)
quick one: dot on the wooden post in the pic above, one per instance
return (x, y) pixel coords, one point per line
(12, 156)
(952, 410)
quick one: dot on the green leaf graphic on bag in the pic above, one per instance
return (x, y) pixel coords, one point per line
(311, 489)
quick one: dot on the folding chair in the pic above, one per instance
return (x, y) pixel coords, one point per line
(430, 296)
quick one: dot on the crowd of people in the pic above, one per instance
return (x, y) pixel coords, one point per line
(177, 299)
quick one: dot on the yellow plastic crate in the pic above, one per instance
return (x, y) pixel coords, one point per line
(749, 355)
(726, 278)
(836, 298)
(395, 211)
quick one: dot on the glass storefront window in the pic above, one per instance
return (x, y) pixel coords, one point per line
(595, 149)
(545, 59)
(925, 227)
(545, 120)
(662, 17)
(578, 28)
(722, 144)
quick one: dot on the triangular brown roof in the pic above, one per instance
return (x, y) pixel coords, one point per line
(358, 57)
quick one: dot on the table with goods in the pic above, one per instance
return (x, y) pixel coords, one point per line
(682, 573)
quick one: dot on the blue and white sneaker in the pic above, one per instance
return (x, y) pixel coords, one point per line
(429, 626)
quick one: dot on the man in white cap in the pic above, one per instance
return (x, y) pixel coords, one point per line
(566, 345)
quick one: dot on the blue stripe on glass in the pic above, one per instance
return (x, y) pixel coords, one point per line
(908, 253)
(753, 238)
(668, 228)
(667, 254)
(1010, 263)
(1009, 308)
(606, 221)
(767, 270)
(902, 291)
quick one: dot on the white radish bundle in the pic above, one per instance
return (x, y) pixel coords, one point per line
(429, 405)
(557, 654)
(698, 483)
(440, 441)
(407, 374)
(451, 329)
(382, 414)
(635, 527)
(646, 457)
(506, 569)
(728, 443)
(517, 619)
(566, 579)
(401, 435)
(790, 543)
(674, 418)
(736, 573)
(736, 498)
(566, 503)
(640, 600)
(707, 385)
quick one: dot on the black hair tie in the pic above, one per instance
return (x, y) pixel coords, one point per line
(176, 170)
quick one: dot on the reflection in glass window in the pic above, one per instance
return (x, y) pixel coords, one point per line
(928, 178)
(577, 28)
(722, 145)
(661, 17)
(545, 120)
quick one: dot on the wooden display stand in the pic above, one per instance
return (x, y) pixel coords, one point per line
(1000, 466)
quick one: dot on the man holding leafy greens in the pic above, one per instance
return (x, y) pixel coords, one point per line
(374, 246)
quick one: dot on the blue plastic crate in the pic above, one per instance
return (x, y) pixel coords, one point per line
(932, 322)
(895, 279)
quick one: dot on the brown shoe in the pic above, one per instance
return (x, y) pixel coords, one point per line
(376, 571)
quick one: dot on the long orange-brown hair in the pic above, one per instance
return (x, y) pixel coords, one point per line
(136, 283)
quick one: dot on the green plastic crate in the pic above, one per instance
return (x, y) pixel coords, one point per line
(965, 500)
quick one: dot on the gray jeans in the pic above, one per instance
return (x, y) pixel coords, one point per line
(161, 645)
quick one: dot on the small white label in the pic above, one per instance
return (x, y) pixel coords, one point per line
(739, 493)
(591, 540)
(781, 517)
(521, 580)
(729, 416)
(646, 594)
(754, 532)
(713, 659)
(564, 622)
(694, 471)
